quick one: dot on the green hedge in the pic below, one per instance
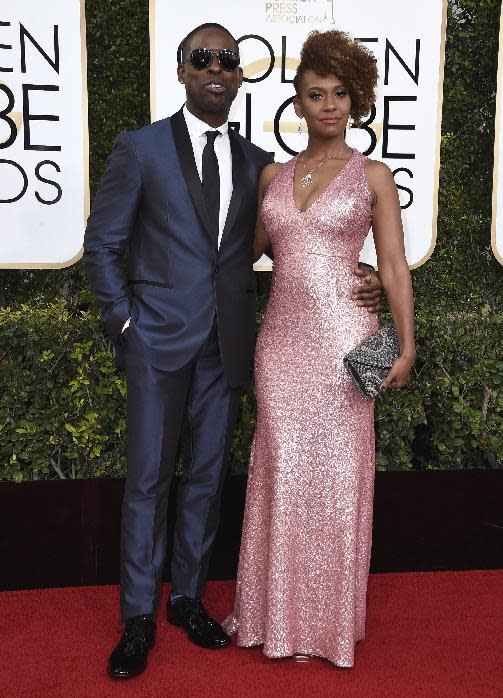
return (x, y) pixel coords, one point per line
(62, 404)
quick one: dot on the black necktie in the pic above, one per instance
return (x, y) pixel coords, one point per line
(211, 182)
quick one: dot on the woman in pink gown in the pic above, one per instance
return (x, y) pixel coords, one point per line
(305, 551)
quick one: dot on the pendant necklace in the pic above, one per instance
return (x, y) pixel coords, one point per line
(307, 179)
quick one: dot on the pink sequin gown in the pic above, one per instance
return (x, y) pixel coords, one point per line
(305, 550)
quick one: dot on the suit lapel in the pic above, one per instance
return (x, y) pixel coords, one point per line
(238, 184)
(188, 164)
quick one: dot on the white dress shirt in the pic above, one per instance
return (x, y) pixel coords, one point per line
(197, 132)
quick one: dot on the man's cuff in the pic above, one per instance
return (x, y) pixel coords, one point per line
(126, 325)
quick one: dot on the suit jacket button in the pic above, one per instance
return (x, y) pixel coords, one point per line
(216, 268)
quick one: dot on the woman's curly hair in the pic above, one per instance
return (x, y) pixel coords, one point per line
(336, 53)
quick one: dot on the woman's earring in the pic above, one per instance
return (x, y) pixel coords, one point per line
(300, 127)
(349, 124)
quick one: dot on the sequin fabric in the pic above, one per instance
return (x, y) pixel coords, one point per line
(306, 542)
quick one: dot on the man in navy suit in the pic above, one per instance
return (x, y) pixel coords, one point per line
(179, 202)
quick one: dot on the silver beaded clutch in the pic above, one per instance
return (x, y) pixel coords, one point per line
(371, 361)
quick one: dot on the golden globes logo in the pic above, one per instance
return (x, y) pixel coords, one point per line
(275, 65)
(303, 12)
(402, 128)
(14, 115)
(44, 154)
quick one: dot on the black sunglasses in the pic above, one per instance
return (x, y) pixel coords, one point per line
(200, 58)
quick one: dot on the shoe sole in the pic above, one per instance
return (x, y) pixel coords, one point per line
(122, 677)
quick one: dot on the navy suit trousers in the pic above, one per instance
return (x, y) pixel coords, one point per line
(196, 404)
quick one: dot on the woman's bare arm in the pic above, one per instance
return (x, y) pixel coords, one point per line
(393, 268)
(262, 242)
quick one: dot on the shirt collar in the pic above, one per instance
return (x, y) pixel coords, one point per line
(198, 128)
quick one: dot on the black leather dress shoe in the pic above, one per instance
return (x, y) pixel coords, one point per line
(201, 629)
(129, 658)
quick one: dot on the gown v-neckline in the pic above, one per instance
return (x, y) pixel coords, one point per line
(325, 188)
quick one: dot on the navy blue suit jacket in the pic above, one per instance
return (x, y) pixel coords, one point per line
(150, 253)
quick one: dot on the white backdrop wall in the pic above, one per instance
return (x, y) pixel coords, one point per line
(497, 222)
(44, 154)
(408, 40)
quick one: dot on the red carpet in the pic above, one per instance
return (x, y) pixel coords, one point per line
(430, 634)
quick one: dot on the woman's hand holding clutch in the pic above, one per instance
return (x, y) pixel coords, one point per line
(399, 374)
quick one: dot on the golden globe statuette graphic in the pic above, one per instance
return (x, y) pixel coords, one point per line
(329, 11)
(16, 116)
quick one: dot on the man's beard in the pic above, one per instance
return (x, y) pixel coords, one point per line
(220, 106)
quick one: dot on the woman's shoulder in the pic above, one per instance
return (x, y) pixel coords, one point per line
(272, 169)
(377, 174)
(380, 180)
(377, 170)
(268, 173)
